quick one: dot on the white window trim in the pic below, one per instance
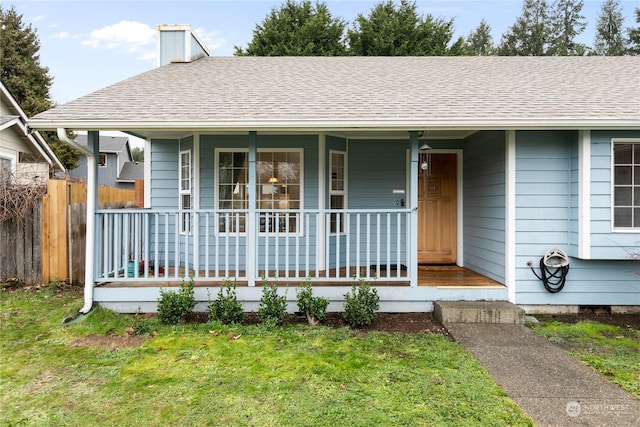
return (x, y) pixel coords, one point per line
(614, 141)
(299, 232)
(182, 192)
(344, 192)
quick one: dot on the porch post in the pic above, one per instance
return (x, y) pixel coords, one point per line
(252, 243)
(412, 238)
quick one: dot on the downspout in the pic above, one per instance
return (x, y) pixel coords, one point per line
(91, 211)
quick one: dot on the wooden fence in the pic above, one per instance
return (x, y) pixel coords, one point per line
(64, 223)
(20, 243)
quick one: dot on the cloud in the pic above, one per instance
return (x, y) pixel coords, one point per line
(128, 36)
(211, 39)
(64, 35)
(39, 18)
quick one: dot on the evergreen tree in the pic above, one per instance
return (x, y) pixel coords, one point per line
(529, 36)
(567, 23)
(28, 81)
(399, 31)
(609, 39)
(297, 29)
(634, 36)
(479, 42)
(22, 74)
(137, 154)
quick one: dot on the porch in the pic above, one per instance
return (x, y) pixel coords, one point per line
(449, 284)
(249, 246)
(144, 247)
(445, 276)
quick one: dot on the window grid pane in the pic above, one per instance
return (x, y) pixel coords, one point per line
(626, 185)
(278, 188)
(337, 192)
(233, 173)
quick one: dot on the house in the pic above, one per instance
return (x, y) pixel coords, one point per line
(24, 155)
(116, 167)
(405, 172)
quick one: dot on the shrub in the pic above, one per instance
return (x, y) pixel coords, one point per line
(314, 308)
(226, 308)
(272, 306)
(174, 305)
(361, 305)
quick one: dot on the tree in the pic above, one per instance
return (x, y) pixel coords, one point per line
(529, 35)
(22, 74)
(567, 23)
(391, 31)
(479, 42)
(608, 39)
(137, 154)
(634, 36)
(297, 29)
(27, 80)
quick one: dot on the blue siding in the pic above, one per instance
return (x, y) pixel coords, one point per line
(606, 244)
(484, 204)
(375, 169)
(164, 191)
(546, 216)
(588, 283)
(164, 174)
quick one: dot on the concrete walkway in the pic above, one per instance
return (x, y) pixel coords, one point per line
(552, 387)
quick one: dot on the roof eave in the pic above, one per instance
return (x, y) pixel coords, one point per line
(332, 125)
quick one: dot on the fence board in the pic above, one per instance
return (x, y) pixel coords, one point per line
(18, 238)
(77, 242)
(64, 227)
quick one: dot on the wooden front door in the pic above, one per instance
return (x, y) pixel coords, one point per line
(437, 211)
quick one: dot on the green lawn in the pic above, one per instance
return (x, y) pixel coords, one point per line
(611, 350)
(194, 375)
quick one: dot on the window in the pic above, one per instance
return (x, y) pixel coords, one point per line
(102, 160)
(279, 188)
(626, 185)
(185, 190)
(337, 190)
(233, 177)
(6, 170)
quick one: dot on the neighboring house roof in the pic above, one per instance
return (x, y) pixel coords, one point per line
(383, 93)
(131, 171)
(108, 144)
(18, 120)
(6, 121)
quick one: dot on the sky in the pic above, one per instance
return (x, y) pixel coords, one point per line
(88, 45)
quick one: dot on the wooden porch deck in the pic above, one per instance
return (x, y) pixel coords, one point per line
(433, 276)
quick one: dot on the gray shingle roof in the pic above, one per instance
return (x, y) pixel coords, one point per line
(108, 144)
(433, 91)
(131, 171)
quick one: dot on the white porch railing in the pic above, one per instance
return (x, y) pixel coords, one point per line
(213, 245)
